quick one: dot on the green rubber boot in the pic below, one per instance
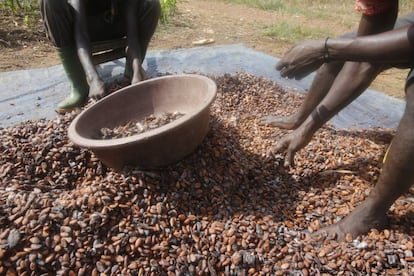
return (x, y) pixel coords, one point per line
(74, 71)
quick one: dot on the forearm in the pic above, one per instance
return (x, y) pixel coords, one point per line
(391, 47)
(352, 80)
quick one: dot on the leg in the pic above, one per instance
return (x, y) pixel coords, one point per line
(396, 178)
(58, 21)
(149, 12)
(149, 15)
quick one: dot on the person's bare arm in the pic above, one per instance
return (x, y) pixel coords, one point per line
(388, 48)
(392, 47)
(307, 56)
(350, 82)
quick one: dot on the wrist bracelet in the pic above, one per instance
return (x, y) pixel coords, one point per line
(325, 51)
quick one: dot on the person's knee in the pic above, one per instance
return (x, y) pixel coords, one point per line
(149, 14)
(155, 3)
(154, 7)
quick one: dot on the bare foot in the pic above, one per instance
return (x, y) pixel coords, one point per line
(288, 122)
(97, 89)
(359, 222)
(139, 75)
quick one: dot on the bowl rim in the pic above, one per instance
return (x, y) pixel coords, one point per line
(82, 141)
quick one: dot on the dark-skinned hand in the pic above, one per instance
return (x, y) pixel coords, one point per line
(302, 59)
(290, 144)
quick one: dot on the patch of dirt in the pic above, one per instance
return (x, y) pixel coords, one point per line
(23, 47)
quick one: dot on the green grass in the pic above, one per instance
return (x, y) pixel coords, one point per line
(340, 13)
(30, 9)
(290, 29)
(168, 8)
(303, 6)
(28, 6)
(273, 5)
(290, 32)
(293, 13)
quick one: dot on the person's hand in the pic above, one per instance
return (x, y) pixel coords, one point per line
(302, 59)
(290, 144)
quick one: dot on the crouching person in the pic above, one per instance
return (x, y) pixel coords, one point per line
(72, 25)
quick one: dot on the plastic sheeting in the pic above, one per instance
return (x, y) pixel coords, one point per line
(33, 94)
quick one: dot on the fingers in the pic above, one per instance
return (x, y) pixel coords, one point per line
(284, 72)
(289, 158)
(280, 65)
(286, 69)
(283, 67)
(279, 147)
(283, 147)
(292, 72)
(289, 71)
(297, 70)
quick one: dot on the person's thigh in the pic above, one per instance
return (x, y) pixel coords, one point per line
(100, 29)
(103, 25)
(59, 21)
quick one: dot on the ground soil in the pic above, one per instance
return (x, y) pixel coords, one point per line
(23, 47)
